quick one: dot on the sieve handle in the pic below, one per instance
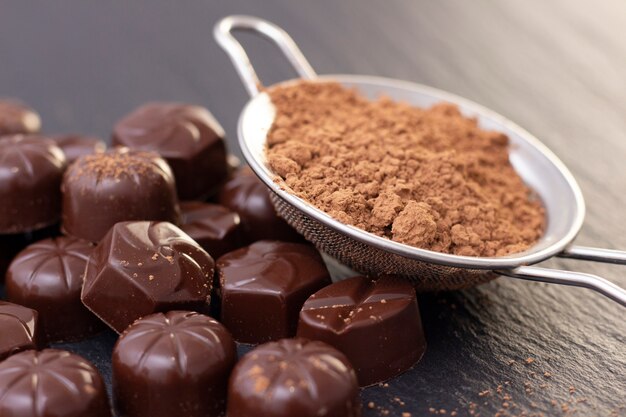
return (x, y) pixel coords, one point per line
(578, 279)
(224, 37)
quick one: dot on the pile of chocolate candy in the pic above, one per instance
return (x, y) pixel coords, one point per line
(158, 238)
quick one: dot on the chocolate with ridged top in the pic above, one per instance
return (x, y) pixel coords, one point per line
(214, 227)
(75, 146)
(142, 267)
(16, 117)
(173, 364)
(51, 383)
(47, 276)
(187, 136)
(294, 377)
(31, 168)
(19, 329)
(376, 323)
(249, 197)
(119, 185)
(263, 286)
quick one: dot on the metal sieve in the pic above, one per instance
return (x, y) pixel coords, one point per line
(373, 255)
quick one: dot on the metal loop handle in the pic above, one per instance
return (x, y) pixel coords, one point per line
(577, 279)
(224, 37)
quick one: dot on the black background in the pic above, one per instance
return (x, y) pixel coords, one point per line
(557, 68)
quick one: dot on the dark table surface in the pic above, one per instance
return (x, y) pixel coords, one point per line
(557, 68)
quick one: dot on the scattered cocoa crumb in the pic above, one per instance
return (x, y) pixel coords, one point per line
(405, 414)
(371, 405)
(529, 361)
(547, 374)
(430, 178)
(484, 393)
(150, 277)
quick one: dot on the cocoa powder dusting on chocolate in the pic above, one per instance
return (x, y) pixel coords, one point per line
(430, 178)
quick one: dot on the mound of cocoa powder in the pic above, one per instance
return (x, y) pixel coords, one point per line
(430, 178)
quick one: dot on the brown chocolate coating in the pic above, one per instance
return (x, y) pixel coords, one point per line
(51, 383)
(31, 168)
(140, 268)
(214, 227)
(187, 136)
(173, 364)
(264, 285)
(294, 377)
(249, 197)
(47, 276)
(11, 245)
(16, 117)
(74, 146)
(119, 185)
(19, 329)
(376, 324)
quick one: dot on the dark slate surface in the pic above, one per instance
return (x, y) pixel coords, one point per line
(557, 68)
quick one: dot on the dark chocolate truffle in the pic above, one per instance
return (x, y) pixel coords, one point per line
(249, 197)
(264, 285)
(294, 377)
(140, 268)
(120, 185)
(18, 329)
(376, 323)
(16, 117)
(75, 146)
(173, 364)
(187, 136)
(47, 276)
(214, 227)
(51, 383)
(31, 169)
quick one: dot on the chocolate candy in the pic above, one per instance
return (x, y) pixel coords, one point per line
(31, 168)
(376, 323)
(264, 285)
(249, 197)
(47, 276)
(16, 117)
(75, 146)
(214, 227)
(173, 364)
(140, 268)
(119, 185)
(11, 245)
(187, 136)
(51, 383)
(294, 377)
(18, 329)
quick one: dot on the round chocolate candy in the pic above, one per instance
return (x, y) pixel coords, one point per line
(19, 329)
(376, 323)
(264, 285)
(140, 268)
(249, 197)
(11, 245)
(119, 185)
(173, 364)
(31, 169)
(47, 276)
(51, 383)
(187, 136)
(74, 146)
(16, 117)
(214, 227)
(293, 377)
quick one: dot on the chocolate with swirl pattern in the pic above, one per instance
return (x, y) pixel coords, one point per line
(187, 136)
(102, 189)
(47, 276)
(294, 377)
(51, 383)
(31, 168)
(173, 364)
(263, 286)
(142, 267)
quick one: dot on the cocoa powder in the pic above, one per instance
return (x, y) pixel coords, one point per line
(430, 178)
